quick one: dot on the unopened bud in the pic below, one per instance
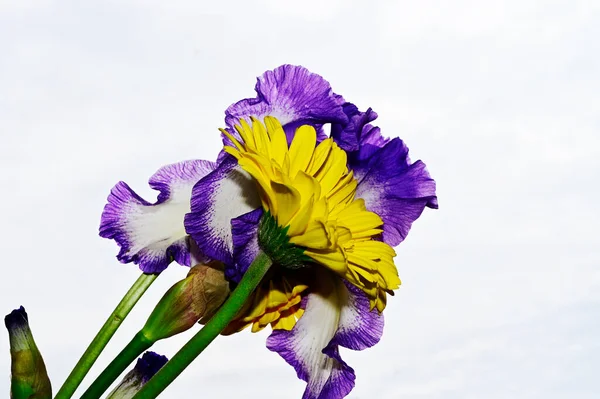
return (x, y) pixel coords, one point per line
(144, 369)
(196, 297)
(29, 378)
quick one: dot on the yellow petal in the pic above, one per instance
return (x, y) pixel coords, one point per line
(366, 234)
(298, 289)
(318, 159)
(278, 139)
(302, 148)
(256, 327)
(263, 144)
(268, 318)
(320, 210)
(233, 151)
(290, 303)
(335, 171)
(307, 185)
(374, 248)
(380, 304)
(332, 260)
(246, 134)
(285, 323)
(276, 296)
(288, 202)
(315, 236)
(299, 223)
(267, 197)
(233, 139)
(360, 221)
(344, 192)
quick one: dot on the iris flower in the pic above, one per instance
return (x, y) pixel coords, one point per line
(327, 209)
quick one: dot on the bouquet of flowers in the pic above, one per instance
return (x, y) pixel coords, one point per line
(293, 226)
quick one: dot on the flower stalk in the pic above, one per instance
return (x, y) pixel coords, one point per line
(107, 331)
(211, 330)
(134, 348)
(197, 296)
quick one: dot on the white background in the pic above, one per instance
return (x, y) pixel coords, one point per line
(500, 294)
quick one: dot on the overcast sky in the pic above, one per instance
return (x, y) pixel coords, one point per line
(501, 285)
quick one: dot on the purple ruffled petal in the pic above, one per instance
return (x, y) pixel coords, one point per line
(153, 235)
(293, 95)
(357, 133)
(359, 327)
(394, 188)
(244, 230)
(334, 314)
(221, 196)
(390, 185)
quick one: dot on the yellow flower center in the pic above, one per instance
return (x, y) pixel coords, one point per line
(308, 189)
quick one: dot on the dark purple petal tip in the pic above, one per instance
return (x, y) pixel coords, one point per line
(149, 364)
(16, 319)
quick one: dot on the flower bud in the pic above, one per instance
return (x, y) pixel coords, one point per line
(144, 369)
(29, 378)
(196, 297)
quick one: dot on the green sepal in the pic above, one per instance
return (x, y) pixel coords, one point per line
(275, 243)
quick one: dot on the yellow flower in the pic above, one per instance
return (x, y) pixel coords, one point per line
(276, 301)
(310, 192)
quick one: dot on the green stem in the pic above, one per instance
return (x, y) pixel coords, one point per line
(104, 335)
(134, 348)
(211, 330)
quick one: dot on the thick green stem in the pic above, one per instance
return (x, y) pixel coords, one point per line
(134, 348)
(211, 330)
(104, 335)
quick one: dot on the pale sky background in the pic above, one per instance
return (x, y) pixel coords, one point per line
(501, 285)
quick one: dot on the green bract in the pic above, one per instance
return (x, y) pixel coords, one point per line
(275, 243)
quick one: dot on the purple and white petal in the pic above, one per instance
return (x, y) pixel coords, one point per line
(342, 379)
(153, 235)
(221, 196)
(357, 132)
(244, 230)
(394, 188)
(294, 96)
(359, 327)
(308, 346)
